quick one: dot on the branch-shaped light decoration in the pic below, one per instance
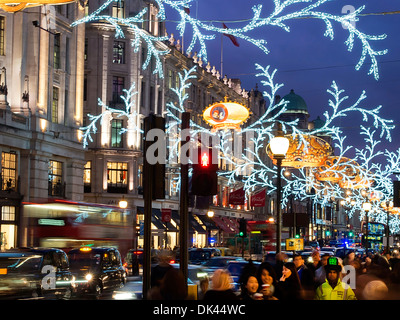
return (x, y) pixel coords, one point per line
(106, 112)
(140, 35)
(203, 31)
(259, 172)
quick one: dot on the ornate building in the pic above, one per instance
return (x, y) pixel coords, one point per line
(41, 107)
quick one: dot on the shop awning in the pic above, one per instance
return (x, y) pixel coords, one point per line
(232, 223)
(207, 221)
(223, 225)
(194, 225)
(156, 219)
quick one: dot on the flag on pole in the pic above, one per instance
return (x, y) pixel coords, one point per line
(236, 197)
(258, 199)
(233, 38)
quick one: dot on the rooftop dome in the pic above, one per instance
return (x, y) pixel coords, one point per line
(296, 104)
(318, 123)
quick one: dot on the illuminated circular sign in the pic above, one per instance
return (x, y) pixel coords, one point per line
(226, 115)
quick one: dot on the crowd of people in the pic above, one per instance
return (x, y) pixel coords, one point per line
(373, 277)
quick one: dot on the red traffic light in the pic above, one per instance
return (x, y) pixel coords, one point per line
(205, 160)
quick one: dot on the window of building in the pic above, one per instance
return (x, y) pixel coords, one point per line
(55, 178)
(116, 136)
(86, 8)
(142, 94)
(152, 99)
(67, 56)
(54, 106)
(118, 9)
(8, 213)
(118, 86)
(140, 179)
(57, 51)
(86, 48)
(87, 177)
(7, 236)
(9, 170)
(119, 52)
(2, 34)
(117, 177)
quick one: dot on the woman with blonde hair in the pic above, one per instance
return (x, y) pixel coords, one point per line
(221, 287)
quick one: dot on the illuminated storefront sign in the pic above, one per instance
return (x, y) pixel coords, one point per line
(226, 115)
(8, 6)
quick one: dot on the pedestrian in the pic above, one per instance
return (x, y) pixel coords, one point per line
(306, 277)
(249, 287)
(163, 266)
(378, 271)
(221, 287)
(289, 287)
(394, 259)
(171, 287)
(333, 288)
(280, 260)
(349, 258)
(320, 275)
(267, 281)
(204, 284)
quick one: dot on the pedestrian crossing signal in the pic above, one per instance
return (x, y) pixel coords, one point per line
(204, 179)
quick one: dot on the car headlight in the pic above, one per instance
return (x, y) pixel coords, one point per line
(88, 277)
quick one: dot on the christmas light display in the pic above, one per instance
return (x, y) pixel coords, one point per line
(203, 31)
(253, 165)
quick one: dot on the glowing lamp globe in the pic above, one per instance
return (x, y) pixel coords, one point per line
(367, 206)
(279, 146)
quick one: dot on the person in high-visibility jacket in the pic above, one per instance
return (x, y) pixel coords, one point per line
(333, 288)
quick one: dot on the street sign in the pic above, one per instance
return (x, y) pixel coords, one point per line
(294, 244)
(166, 215)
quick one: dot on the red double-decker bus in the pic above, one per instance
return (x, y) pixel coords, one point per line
(68, 224)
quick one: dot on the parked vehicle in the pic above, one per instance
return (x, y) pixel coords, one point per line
(200, 255)
(35, 272)
(133, 261)
(218, 263)
(98, 271)
(270, 256)
(235, 268)
(225, 251)
(313, 244)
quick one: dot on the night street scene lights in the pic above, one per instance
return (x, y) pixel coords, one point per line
(279, 145)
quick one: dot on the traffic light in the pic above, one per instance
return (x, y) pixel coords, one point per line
(242, 228)
(204, 180)
(158, 182)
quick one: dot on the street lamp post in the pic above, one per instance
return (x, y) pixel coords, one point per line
(387, 227)
(367, 207)
(279, 146)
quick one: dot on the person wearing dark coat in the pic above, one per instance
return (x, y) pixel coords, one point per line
(289, 286)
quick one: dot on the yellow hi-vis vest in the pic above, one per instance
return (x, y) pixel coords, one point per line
(342, 291)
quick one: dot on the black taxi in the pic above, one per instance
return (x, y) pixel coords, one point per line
(97, 270)
(35, 273)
